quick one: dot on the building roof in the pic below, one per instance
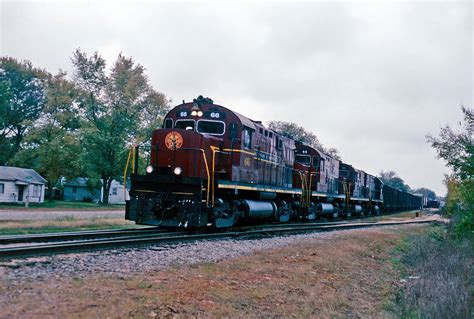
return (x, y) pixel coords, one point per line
(82, 182)
(77, 182)
(21, 176)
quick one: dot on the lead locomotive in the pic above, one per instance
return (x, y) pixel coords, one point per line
(210, 166)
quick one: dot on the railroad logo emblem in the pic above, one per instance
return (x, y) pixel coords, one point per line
(173, 140)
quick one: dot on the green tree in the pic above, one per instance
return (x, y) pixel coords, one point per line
(456, 147)
(117, 110)
(299, 133)
(22, 97)
(426, 192)
(52, 145)
(391, 178)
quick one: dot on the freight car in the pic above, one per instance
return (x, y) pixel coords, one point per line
(211, 166)
(397, 200)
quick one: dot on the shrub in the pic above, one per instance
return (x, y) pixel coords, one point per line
(442, 284)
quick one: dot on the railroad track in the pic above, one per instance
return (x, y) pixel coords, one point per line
(79, 235)
(109, 233)
(150, 238)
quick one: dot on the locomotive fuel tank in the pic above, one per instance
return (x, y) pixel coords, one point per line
(357, 209)
(327, 209)
(255, 210)
(376, 210)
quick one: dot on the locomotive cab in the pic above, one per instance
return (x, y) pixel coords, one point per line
(174, 190)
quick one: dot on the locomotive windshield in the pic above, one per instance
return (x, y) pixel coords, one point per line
(185, 124)
(303, 159)
(211, 127)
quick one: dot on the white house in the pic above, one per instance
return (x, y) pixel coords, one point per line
(20, 185)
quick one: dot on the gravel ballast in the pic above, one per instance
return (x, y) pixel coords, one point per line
(129, 261)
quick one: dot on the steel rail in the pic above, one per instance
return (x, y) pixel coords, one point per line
(108, 233)
(166, 238)
(79, 235)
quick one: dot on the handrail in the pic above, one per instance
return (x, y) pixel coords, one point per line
(125, 174)
(133, 158)
(214, 149)
(208, 176)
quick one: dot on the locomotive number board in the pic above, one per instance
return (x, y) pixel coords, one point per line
(208, 114)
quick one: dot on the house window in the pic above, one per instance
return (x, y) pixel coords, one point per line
(36, 191)
(74, 189)
(114, 191)
(2, 188)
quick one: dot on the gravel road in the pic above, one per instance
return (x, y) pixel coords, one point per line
(44, 214)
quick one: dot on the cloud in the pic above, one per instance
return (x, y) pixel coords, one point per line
(369, 79)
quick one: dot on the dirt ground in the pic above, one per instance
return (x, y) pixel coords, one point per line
(50, 214)
(353, 274)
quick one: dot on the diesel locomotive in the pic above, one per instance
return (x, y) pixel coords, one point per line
(210, 166)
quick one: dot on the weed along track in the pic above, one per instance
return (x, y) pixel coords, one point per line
(152, 237)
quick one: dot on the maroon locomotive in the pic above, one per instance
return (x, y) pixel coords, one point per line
(210, 166)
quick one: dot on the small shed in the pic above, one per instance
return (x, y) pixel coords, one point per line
(116, 194)
(20, 185)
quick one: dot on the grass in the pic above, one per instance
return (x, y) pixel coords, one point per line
(394, 216)
(439, 280)
(61, 225)
(59, 204)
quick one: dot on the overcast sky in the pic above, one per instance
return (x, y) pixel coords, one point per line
(369, 79)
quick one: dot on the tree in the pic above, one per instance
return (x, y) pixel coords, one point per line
(117, 110)
(426, 192)
(456, 147)
(22, 97)
(391, 178)
(298, 133)
(52, 145)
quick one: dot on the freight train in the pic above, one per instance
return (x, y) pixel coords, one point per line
(210, 166)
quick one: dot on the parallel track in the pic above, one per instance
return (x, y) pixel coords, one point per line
(173, 237)
(111, 233)
(79, 235)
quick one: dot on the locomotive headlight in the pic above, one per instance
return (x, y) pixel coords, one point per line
(177, 170)
(194, 113)
(149, 169)
(199, 113)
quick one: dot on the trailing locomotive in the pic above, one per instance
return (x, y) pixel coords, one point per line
(211, 166)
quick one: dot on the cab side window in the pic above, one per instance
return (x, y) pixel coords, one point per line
(247, 138)
(315, 161)
(169, 123)
(232, 130)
